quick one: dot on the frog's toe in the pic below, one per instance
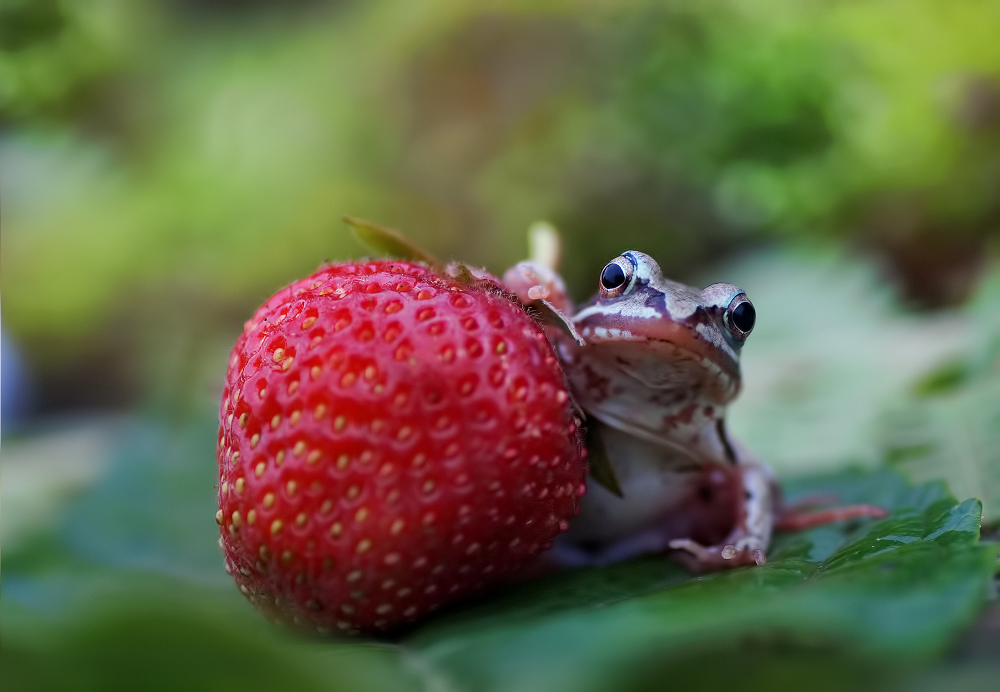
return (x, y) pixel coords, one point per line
(692, 547)
(699, 558)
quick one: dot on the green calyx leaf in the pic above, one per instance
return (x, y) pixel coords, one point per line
(601, 469)
(384, 240)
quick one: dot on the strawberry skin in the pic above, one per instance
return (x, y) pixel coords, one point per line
(391, 439)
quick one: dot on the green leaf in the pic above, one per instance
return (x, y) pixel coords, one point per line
(127, 592)
(865, 599)
(388, 241)
(600, 467)
(946, 378)
(150, 633)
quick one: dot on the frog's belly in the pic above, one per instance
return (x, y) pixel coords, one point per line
(663, 495)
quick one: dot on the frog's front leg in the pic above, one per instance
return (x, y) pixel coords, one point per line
(537, 279)
(746, 543)
(532, 281)
(758, 512)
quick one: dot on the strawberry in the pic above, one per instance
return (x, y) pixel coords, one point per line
(392, 438)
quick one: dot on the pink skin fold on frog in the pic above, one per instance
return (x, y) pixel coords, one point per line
(653, 364)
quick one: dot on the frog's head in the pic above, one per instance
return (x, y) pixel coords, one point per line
(664, 333)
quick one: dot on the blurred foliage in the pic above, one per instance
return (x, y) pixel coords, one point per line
(210, 147)
(831, 351)
(835, 371)
(55, 53)
(165, 166)
(950, 428)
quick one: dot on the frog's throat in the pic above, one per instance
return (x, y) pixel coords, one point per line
(679, 448)
(726, 379)
(714, 371)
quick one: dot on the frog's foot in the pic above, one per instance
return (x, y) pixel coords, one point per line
(747, 541)
(798, 518)
(727, 555)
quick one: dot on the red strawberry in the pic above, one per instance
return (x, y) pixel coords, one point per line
(391, 440)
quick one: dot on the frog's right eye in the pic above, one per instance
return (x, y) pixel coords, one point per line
(612, 277)
(740, 317)
(615, 277)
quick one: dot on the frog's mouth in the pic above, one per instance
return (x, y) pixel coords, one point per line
(669, 355)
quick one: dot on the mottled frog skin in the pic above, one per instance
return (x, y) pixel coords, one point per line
(653, 365)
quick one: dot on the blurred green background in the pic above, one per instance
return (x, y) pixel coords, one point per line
(167, 165)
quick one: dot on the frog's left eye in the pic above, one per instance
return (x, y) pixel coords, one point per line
(740, 317)
(616, 276)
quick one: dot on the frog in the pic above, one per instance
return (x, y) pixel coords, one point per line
(652, 365)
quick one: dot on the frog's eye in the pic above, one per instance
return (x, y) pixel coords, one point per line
(615, 277)
(740, 317)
